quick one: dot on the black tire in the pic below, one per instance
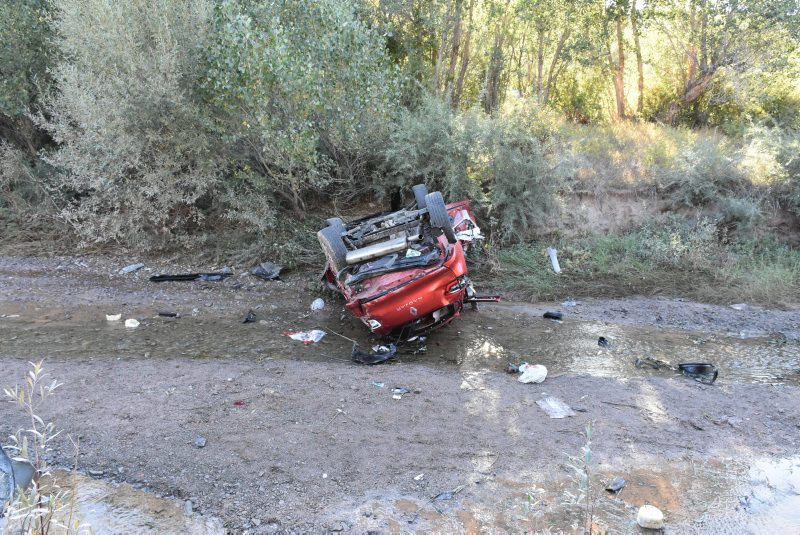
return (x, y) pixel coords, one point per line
(439, 216)
(333, 247)
(336, 222)
(420, 192)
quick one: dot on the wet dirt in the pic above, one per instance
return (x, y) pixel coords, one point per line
(299, 437)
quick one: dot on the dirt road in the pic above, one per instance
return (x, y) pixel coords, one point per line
(301, 438)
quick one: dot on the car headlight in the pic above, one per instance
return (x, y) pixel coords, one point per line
(459, 285)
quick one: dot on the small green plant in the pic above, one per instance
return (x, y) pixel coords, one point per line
(584, 488)
(33, 510)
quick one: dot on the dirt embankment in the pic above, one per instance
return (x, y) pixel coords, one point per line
(300, 438)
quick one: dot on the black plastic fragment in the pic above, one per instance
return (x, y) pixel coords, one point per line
(553, 315)
(616, 484)
(192, 277)
(702, 373)
(251, 317)
(512, 368)
(602, 342)
(640, 363)
(372, 358)
(267, 270)
(168, 314)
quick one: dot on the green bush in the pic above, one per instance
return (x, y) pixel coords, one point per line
(505, 162)
(134, 152)
(304, 86)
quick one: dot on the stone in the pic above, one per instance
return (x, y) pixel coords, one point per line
(650, 517)
(96, 473)
(256, 521)
(199, 442)
(187, 508)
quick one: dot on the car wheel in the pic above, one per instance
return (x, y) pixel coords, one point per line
(420, 192)
(336, 222)
(332, 245)
(439, 216)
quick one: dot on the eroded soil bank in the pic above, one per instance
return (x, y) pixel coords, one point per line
(300, 438)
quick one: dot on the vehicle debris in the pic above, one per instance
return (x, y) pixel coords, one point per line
(403, 273)
(308, 337)
(616, 484)
(251, 317)
(227, 272)
(131, 323)
(379, 385)
(650, 517)
(532, 373)
(553, 315)
(169, 314)
(130, 269)
(267, 270)
(318, 304)
(113, 317)
(702, 373)
(398, 390)
(200, 442)
(569, 303)
(555, 408)
(419, 477)
(602, 342)
(642, 362)
(379, 354)
(554, 259)
(512, 368)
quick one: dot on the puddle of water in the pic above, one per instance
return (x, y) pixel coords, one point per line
(474, 342)
(103, 508)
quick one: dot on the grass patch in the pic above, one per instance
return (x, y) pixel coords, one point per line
(761, 272)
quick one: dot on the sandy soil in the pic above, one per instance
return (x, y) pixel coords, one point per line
(300, 438)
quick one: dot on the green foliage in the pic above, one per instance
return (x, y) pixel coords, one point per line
(25, 53)
(504, 161)
(300, 84)
(134, 152)
(32, 510)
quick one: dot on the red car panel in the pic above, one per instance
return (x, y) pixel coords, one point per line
(415, 300)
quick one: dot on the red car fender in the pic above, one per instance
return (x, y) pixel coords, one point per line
(420, 297)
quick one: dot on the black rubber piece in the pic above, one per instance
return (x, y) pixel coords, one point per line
(420, 192)
(335, 222)
(602, 342)
(699, 372)
(333, 247)
(553, 315)
(439, 216)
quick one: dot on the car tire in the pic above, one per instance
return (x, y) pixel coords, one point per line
(332, 245)
(439, 216)
(420, 192)
(336, 222)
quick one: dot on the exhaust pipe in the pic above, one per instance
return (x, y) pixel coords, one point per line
(379, 249)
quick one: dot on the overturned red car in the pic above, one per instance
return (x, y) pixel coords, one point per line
(403, 273)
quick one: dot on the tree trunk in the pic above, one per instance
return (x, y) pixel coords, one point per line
(451, 70)
(464, 60)
(697, 88)
(556, 57)
(620, 72)
(638, 49)
(540, 62)
(441, 48)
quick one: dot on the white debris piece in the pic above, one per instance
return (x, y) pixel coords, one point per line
(650, 517)
(554, 259)
(113, 317)
(308, 337)
(532, 373)
(318, 304)
(131, 323)
(131, 268)
(555, 408)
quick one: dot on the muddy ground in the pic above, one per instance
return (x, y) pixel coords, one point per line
(300, 438)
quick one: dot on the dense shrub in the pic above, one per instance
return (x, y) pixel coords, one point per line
(505, 162)
(134, 152)
(304, 86)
